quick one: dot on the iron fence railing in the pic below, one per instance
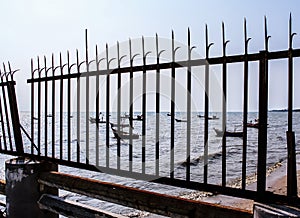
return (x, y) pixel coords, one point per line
(61, 129)
(11, 138)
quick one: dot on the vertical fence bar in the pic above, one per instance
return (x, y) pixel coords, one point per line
(107, 106)
(14, 112)
(69, 106)
(87, 106)
(263, 117)
(78, 108)
(46, 109)
(6, 116)
(97, 107)
(206, 105)
(157, 108)
(39, 107)
(119, 107)
(53, 108)
(130, 105)
(224, 110)
(172, 109)
(188, 110)
(245, 110)
(61, 109)
(292, 168)
(32, 108)
(262, 133)
(144, 114)
(2, 120)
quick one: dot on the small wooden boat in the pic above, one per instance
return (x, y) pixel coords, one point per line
(214, 117)
(94, 120)
(124, 135)
(138, 118)
(169, 114)
(253, 125)
(124, 116)
(179, 120)
(220, 133)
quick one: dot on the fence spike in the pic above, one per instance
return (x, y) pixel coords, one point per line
(143, 46)
(45, 65)
(189, 37)
(52, 60)
(267, 37)
(86, 50)
(130, 51)
(291, 34)
(158, 53)
(207, 44)
(156, 41)
(245, 36)
(224, 41)
(118, 52)
(97, 60)
(4, 68)
(38, 69)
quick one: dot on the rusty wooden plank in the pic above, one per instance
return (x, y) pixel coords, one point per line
(72, 209)
(139, 199)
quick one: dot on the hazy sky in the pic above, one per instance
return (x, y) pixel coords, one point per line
(39, 27)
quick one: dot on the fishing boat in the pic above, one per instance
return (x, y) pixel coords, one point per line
(179, 120)
(124, 116)
(253, 125)
(138, 118)
(220, 133)
(94, 120)
(214, 117)
(124, 135)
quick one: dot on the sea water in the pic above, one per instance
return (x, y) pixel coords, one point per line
(276, 149)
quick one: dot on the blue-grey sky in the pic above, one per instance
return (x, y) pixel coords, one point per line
(39, 27)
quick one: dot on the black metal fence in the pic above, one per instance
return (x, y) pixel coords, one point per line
(63, 132)
(11, 138)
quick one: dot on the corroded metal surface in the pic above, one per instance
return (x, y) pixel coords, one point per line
(139, 199)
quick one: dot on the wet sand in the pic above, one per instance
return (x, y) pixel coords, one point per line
(276, 182)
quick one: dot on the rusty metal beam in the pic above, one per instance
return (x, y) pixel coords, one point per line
(139, 199)
(178, 64)
(72, 209)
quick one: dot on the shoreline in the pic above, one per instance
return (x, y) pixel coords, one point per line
(275, 182)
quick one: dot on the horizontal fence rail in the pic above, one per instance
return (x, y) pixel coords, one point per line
(78, 117)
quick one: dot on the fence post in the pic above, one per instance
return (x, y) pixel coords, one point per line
(263, 117)
(291, 167)
(15, 116)
(23, 190)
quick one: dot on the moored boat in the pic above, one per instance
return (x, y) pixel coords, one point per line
(124, 135)
(220, 133)
(94, 120)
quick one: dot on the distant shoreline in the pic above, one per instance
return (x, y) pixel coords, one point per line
(284, 110)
